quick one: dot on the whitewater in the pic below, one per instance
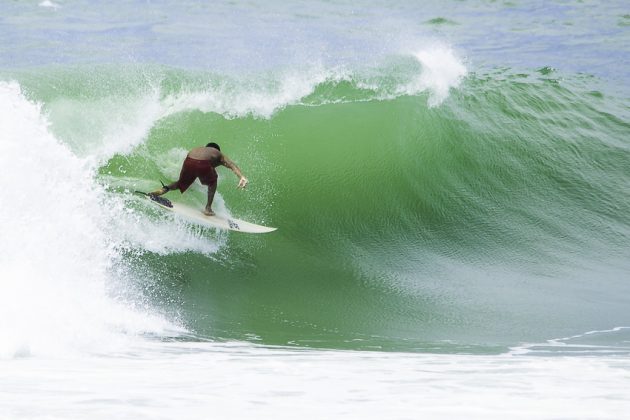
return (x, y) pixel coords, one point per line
(450, 184)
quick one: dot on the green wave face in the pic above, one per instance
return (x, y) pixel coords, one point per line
(407, 220)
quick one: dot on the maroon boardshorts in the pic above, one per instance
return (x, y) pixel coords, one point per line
(193, 169)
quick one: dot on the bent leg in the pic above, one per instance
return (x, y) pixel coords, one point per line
(167, 188)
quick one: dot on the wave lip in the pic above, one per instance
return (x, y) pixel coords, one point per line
(127, 105)
(441, 71)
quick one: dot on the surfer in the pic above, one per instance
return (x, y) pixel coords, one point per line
(201, 163)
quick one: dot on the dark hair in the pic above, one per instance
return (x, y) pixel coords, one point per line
(216, 146)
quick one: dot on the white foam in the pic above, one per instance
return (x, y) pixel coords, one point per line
(233, 380)
(441, 71)
(156, 231)
(55, 255)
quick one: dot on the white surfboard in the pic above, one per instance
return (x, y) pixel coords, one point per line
(196, 216)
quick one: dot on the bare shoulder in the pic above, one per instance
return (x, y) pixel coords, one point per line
(226, 161)
(205, 153)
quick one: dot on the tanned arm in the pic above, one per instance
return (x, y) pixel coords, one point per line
(227, 162)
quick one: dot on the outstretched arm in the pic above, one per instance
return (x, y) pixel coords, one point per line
(227, 162)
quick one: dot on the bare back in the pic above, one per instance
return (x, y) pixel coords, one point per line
(207, 153)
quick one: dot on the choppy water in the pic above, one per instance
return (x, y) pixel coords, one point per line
(450, 182)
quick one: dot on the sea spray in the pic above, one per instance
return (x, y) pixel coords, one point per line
(442, 71)
(55, 254)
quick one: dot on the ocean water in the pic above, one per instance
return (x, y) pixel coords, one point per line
(450, 181)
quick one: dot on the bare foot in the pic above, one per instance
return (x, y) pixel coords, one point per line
(158, 193)
(207, 212)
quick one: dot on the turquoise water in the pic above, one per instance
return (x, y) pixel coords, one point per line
(450, 183)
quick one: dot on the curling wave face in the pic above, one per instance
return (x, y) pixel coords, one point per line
(409, 196)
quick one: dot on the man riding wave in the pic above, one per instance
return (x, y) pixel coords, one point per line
(201, 163)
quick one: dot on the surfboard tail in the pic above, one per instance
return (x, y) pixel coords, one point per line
(158, 199)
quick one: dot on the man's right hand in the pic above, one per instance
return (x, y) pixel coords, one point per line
(242, 183)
